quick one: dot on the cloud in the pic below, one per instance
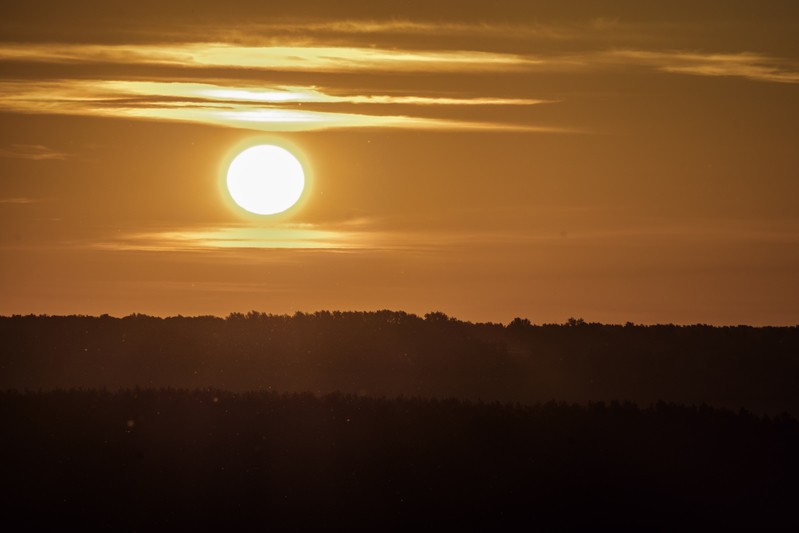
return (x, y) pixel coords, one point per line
(314, 95)
(263, 109)
(249, 104)
(415, 27)
(21, 200)
(744, 65)
(375, 235)
(35, 152)
(275, 95)
(342, 59)
(286, 236)
(349, 235)
(285, 58)
(404, 30)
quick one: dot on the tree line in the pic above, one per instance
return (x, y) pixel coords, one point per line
(389, 353)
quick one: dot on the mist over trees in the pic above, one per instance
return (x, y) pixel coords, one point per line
(388, 353)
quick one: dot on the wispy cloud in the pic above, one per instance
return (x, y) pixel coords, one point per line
(416, 27)
(21, 200)
(368, 235)
(242, 105)
(352, 31)
(35, 152)
(338, 59)
(308, 94)
(287, 236)
(349, 235)
(215, 93)
(263, 109)
(744, 65)
(243, 102)
(288, 58)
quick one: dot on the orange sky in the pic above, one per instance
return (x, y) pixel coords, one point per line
(489, 160)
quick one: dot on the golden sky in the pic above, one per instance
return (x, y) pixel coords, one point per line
(622, 161)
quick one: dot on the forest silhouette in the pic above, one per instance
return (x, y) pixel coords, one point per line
(205, 459)
(387, 353)
(387, 420)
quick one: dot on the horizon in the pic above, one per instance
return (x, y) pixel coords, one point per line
(236, 315)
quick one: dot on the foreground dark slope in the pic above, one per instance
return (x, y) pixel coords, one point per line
(211, 460)
(392, 353)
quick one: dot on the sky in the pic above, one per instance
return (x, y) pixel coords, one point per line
(615, 161)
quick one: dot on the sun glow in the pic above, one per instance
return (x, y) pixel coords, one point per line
(265, 179)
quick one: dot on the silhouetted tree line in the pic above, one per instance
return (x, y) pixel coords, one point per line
(393, 353)
(206, 459)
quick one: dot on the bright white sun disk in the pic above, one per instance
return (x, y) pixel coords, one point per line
(265, 179)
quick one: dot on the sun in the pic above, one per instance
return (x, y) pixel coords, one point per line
(265, 179)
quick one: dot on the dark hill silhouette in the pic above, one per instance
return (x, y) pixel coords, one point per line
(389, 353)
